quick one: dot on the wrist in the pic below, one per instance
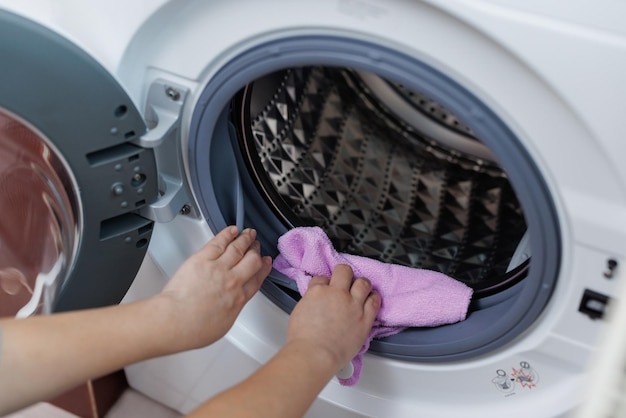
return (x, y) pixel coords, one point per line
(321, 357)
(164, 325)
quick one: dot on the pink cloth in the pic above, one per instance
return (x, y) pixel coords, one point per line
(410, 297)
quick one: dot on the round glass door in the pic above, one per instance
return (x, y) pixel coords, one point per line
(39, 223)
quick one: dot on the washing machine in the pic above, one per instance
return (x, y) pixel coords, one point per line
(482, 139)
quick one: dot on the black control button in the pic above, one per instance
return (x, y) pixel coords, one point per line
(593, 304)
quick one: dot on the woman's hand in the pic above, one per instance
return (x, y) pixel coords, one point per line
(326, 329)
(335, 315)
(209, 290)
(43, 356)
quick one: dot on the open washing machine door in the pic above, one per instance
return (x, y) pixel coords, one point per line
(73, 182)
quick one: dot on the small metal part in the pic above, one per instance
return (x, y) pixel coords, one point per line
(172, 93)
(611, 266)
(138, 179)
(118, 189)
(185, 210)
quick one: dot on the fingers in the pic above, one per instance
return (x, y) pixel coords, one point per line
(319, 281)
(218, 244)
(252, 263)
(241, 254)
(251, 260)
(342, 276)
(251, 269)
(254, 283)
(229, 247)
(238, 248)
(361, 289)
(372, 305)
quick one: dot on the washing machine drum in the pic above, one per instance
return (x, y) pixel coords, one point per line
(396, 162)
(386, 172)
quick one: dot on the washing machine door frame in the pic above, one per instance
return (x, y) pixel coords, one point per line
(86, 116)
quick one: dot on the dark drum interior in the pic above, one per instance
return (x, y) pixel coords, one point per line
(388, 173)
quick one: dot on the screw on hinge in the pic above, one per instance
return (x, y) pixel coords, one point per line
(611, 266)
(185, 210)
(172, 93)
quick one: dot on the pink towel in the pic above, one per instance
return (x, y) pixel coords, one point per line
(410, 297)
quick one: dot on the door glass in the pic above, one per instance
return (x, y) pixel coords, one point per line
(39, 222)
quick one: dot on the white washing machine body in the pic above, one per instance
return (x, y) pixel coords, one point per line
(552, 73)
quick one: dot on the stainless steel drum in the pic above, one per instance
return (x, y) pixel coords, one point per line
(386, 172)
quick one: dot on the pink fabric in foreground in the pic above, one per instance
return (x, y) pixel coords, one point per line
(410, 297)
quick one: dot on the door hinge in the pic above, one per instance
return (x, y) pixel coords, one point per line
(163, 110)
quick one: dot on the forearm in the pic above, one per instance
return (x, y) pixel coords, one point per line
(284, 387)
(46, 355)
